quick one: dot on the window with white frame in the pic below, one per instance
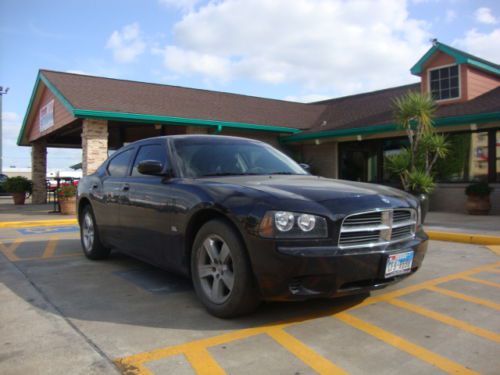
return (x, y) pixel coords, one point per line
(444, 82)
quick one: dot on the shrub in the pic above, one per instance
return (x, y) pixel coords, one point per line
(479, 189)
(17, 184)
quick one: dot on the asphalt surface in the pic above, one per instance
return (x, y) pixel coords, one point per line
(63, 314)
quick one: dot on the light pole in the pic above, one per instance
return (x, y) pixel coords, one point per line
(2, 93)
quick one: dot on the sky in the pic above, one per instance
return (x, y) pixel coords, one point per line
(301, 50)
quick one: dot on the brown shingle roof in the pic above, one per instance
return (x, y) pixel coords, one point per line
(377, 108)
(107, 94)
(350, 112)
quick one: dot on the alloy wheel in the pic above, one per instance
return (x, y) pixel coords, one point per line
(215, 269)
(88, 232)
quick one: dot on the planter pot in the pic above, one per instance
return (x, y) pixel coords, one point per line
(68, 206)
(478, 205)
(19, 198)
(424, 204)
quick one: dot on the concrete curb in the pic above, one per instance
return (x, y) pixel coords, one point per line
(37, 223)
(472, 238)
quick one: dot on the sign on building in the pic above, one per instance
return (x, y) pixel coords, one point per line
(47, 116)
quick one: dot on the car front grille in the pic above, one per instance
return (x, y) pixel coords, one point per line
(382, 227)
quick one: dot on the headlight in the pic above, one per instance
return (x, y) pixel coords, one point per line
(284, 224)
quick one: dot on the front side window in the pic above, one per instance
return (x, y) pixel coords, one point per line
(444, 83)
(226, 157)
(149, 152)
(118, 166)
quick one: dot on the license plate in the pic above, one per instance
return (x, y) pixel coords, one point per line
(398, 264)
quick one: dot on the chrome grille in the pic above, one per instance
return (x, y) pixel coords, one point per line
(374, 228)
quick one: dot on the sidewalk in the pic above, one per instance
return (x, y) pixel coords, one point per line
(463, 223)
(28, 212)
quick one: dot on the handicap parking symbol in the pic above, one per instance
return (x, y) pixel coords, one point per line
(48, 230)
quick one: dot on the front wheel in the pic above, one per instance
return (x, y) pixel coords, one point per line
(89, 236)
(221, 272)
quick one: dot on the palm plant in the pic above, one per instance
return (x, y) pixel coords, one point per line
(414, 112)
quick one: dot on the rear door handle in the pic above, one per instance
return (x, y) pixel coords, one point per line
(126, 187)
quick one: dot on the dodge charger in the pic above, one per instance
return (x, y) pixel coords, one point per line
(247, 223)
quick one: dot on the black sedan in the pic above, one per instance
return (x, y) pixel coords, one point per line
(246, 222)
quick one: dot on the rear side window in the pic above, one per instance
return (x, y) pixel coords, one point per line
(150, 152)
(118, 166)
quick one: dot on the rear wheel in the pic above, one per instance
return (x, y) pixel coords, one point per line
(221, 271)
(89, 236)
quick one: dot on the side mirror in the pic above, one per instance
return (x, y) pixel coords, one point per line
(150, 167)
(306, 167)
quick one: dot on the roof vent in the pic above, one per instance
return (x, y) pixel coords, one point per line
(324, 123)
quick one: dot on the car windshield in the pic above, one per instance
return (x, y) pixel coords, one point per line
(230, 157)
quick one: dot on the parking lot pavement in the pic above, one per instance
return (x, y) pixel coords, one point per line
(63, 314)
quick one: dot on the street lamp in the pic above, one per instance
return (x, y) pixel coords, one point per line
(2, 93)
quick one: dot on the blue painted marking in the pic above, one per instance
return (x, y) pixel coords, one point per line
(48, 230)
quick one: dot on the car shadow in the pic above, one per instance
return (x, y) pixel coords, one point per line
(126, 291)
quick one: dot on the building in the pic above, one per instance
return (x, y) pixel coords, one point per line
(346, 137)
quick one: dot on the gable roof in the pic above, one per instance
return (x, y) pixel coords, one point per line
(460, 57)
(374, 113)
(87, 94)
(122, 100)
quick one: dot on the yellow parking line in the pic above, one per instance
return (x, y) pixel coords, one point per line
(315, 361)
(9, 251)
(472, 238)
(202, 362)
(456, 323)
(136, 361)
(50, 248)
(415, 350)
(481, 281)
(37, 223)
(465, 297)
(495, 249)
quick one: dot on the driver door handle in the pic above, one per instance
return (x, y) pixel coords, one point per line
(125, 187)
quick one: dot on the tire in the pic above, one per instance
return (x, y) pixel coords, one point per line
(212, 274)
(89, 236)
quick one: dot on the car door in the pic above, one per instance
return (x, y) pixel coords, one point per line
(145, 215)
(113, 188)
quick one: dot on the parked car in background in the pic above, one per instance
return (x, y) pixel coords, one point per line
(246, 222)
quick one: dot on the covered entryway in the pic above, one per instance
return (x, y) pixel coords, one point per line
(101, 114)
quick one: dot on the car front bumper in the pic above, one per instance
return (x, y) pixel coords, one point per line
(287, 272)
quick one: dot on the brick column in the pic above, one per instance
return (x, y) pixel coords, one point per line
(94, 144)
(39, 171)
(196, 130)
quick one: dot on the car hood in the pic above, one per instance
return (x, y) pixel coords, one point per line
(331, 193)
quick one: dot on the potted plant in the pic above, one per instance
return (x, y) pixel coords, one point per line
(478, 198)
(18, 187)
(66, 195)
(414, 164)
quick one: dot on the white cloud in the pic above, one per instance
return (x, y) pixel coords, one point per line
(481, 44)
(307, 98)
(184, 5)
(322, 45)
(126, 44)
(484, 15)
(451, 15)
(77, 71)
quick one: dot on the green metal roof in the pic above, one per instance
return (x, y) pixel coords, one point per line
(460, 57)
